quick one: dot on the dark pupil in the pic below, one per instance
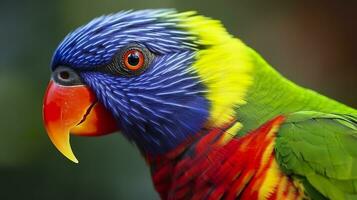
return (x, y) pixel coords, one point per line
(64, 75)
(133, 59)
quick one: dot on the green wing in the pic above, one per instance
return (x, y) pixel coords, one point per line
(320, 150)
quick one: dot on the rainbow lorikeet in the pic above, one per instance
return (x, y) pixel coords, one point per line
(211, 117)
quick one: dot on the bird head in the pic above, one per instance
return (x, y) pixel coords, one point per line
(157, 76)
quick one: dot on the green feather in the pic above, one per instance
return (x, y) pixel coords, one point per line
(322, 148)
(271, 94)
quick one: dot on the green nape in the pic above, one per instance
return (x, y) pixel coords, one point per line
(271, 94)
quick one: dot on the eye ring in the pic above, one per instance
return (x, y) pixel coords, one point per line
(133, 59)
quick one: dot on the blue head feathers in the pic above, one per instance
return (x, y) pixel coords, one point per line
(97, 42)
(162, 105)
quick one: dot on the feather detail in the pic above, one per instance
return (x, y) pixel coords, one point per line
(224, 67)
(211, 167)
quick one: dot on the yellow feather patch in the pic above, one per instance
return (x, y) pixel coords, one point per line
(230, 133)
(271, 181)
(273, 173)
(224, 66)
(282, 186)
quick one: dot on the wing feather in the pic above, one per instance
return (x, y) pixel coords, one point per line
(321, 149)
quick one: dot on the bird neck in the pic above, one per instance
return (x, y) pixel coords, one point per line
(271, 94)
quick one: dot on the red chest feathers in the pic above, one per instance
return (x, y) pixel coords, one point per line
(216, 168)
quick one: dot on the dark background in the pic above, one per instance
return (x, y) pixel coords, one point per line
(312, 43)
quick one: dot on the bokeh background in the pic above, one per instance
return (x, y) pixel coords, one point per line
(313, 43)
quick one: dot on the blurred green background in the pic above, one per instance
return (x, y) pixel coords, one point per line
(312, 43)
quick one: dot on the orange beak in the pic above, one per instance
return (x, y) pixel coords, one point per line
(74, 109)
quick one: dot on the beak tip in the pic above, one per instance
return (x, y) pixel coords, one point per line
(73, 159)
(68, 153)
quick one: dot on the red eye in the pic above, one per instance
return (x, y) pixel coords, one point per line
(133, 59)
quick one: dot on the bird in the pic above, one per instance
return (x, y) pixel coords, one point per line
(211, 117)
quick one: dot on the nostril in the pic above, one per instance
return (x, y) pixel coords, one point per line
(64, 75)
